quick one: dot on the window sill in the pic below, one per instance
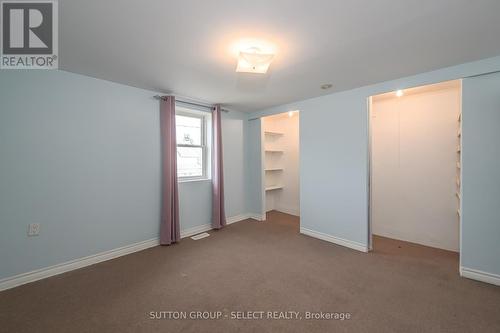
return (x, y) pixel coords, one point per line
(194, 180)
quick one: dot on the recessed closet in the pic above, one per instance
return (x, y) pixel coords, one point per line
(415, 165)
(280, 162)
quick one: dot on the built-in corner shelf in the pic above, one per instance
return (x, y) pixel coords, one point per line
(270, 133)
(274, 187)
(273, 169)
(273, 166)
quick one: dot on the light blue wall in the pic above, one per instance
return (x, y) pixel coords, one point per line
(334, 152)
(333, 160)
(253, 166)
(199, 209)
(233, 137)
(81, 156)
(481, 173)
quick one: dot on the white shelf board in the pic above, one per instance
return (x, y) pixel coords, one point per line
(274, 169)
(273, 133)
(274, 151)
(274, 187)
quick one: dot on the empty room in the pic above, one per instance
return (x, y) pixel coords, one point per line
(264, 166)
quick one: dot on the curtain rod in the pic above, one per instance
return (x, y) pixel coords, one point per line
(206, 106)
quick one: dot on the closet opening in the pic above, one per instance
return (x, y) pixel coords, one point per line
(415, 167)
(280, 166)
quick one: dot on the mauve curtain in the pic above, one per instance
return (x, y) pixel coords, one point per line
(218, 211)
(169, 224)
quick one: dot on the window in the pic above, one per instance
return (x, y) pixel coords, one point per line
(192, 151)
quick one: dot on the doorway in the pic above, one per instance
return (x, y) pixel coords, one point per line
(280, 163)
(415, 165)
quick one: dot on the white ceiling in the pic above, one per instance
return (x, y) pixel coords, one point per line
(182, 46)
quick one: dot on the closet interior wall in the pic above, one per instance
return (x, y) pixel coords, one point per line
(416, 165)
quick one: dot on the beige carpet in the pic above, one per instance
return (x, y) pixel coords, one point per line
(260, 266)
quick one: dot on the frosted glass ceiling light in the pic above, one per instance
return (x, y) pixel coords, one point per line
(253, 60)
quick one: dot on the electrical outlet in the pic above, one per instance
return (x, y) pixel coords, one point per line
(33, 229)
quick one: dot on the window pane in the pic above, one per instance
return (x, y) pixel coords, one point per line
(188, 130)
(189, 162)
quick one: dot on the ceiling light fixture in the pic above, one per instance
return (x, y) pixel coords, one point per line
(290, 113)
(399, 93)
(253, 60)
(326, 86)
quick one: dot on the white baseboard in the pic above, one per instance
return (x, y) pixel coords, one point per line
(195, 230)
(258, 217)
(238, 218)
(42, 273)
(475, 274)
(288, 210)
(46, 272)
(206, 227)
(335, 240)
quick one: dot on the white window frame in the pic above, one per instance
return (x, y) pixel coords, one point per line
(205, 151)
